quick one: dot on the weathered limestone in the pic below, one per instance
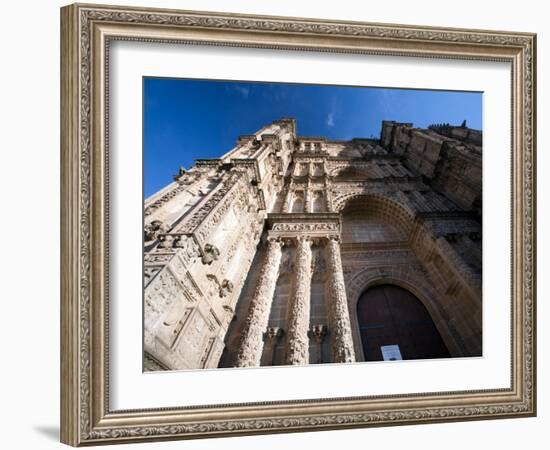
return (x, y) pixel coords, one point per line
(287, 199)
(250, 351)
(340, 327)
(298, 320)
(404, 209)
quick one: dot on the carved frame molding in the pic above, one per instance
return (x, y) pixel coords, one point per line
(86, 31)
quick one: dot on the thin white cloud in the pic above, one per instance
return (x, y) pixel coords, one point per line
(330, 119)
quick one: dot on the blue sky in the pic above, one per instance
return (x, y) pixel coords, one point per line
(186, 120)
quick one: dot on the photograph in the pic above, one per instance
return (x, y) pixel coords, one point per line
(291, 224)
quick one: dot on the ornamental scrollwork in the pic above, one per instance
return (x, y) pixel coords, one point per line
(304, 421)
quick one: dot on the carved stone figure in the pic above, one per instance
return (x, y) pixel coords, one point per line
(226, 288)
(211, 253)
(153, 229)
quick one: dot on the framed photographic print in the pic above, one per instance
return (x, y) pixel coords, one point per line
(281, 224)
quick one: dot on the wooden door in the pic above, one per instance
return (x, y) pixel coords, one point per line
(390, 315)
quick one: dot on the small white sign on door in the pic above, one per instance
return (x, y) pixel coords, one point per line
(391, 352)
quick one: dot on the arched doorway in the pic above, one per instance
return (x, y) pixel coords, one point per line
(394, 324)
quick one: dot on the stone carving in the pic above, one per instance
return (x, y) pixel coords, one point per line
(179, 175)
(318, 333)
(287, 195)
(322, 226)
(153, 229)
(207, 352)
(184, 180)
(236, 198)
(272, 337)
(213, 321)
(188, 249)
(197, 217)
(342, 342)
(157, 257)
(226, 288)
(210, 254)
(160, 295)
(223, 289)
(273, 334)
(298, 321)
(250, 350)
(229, 310)
(178, 326)
(193, 342)
(166, 241)
(149, 273)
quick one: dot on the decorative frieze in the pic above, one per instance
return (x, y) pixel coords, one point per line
(306, 227)
(157, 257)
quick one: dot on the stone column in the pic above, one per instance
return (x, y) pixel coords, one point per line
(298, 318)
(250, 351)
(340, 326)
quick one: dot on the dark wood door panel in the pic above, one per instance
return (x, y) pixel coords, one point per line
(391, 315)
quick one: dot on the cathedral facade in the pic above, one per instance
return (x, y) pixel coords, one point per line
(301, 250)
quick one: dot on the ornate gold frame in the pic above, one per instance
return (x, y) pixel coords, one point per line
(86, 31)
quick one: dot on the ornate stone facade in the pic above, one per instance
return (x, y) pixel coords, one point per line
(260, 257)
